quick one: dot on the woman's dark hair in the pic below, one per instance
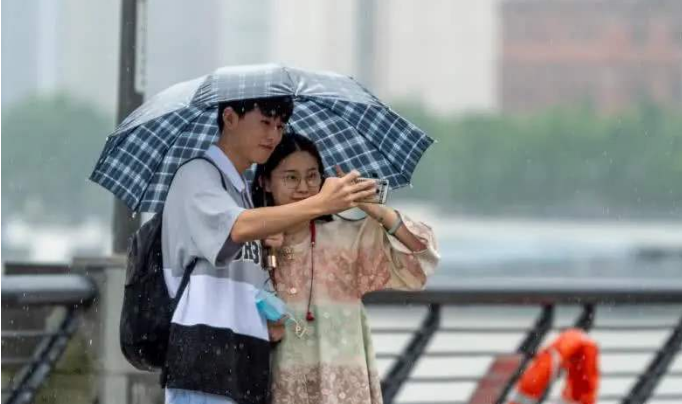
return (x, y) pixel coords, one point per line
(291, 143)
(280, 106)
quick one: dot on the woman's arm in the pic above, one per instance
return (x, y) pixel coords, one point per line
(389, 218)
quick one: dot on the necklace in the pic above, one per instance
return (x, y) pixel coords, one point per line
(309, 315)
(289, 253)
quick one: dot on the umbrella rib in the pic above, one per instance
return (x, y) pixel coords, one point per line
(374, 97)
(119, 184)
(294, 87)
(180, 131)
(382, 104)
(396, 167)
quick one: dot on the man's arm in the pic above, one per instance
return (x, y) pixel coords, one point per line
(337, 195)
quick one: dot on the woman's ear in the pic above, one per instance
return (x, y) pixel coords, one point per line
(265, 184)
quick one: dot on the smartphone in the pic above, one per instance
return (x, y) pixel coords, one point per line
(381, 194)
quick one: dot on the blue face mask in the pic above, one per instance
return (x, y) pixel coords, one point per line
(270, 306)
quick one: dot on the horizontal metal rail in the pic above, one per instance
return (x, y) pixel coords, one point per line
(454, 330)
(516, 330)
(476, 378)
(28, 334)
(505, 291)
(50, 290)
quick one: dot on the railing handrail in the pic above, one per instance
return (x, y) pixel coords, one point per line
(542, 291)
(64, 290)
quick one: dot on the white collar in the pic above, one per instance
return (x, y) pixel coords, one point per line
(226, 166)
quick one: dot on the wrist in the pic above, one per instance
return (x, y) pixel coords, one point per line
(396, 225)
(376, 212)
(384, 215)
(313, 206)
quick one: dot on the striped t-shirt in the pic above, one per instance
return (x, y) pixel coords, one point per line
(218, 341)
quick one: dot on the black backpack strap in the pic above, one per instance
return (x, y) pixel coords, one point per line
(203, 157)
(222, 177)
(183, 283)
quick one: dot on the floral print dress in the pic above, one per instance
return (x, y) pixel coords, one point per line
(332, 360)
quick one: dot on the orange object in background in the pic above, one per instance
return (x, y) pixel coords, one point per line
(574, 353)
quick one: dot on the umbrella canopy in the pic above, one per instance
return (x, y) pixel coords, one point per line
(350, 126)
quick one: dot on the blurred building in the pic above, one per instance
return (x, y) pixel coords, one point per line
(441, 53)
(188, 39)
(88, 48)
(608, 53)
(29, 47)
(313, 34)
(72, 46)
(60, 46)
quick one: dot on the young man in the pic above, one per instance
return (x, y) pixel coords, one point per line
(219, 348)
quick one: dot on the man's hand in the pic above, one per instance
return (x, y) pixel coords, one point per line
(339, 194)
(372, 209)
(274, 241)
(277, 330)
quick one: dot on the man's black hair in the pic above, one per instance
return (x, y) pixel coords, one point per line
(274, 107)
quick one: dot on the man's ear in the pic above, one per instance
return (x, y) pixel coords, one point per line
(230, 118)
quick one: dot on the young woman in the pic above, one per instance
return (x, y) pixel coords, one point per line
(323, 269)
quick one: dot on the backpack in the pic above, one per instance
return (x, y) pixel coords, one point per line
(147, 307)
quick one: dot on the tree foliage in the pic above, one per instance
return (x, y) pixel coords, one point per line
(50, 145)
(565, 162)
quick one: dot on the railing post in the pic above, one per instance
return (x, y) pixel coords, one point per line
(529, 347)
(28, 383)
(586, 320)
(401, 370)
(649, 379)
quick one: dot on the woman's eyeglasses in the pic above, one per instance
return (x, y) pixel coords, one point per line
(293, 180)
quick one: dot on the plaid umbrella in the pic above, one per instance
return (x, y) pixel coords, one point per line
(351, 127)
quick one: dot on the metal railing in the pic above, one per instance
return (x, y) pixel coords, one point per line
(590, 295)
(27, 298)
(23, 294)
